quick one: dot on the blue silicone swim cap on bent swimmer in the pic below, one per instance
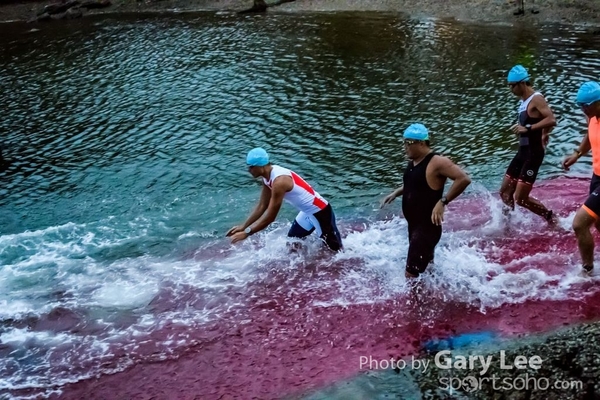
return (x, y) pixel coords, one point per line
(588, 93)
(257, 157)
(518, 73)
(416, 132)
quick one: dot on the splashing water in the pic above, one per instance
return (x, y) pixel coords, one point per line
(297, 319)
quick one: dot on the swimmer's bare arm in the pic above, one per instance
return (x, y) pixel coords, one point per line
(548, 121)
(259, 210)
(546, 136)
(281, 185)
(584, 147)
(392, 196)
(446, 169)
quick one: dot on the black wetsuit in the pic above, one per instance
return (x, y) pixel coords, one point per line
(525, 165)
(418, 201)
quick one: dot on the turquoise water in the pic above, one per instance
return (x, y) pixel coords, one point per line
(150, 117)
(126, 138)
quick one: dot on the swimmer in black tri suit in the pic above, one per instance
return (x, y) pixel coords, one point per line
(423, 201)
(535, 119)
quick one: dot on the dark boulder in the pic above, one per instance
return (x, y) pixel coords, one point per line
(58, 8)
(91, 4)
(73, 13)
(259, 6)
(40, 18)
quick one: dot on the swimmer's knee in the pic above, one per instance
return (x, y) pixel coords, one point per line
(521, 199)
(581, 226)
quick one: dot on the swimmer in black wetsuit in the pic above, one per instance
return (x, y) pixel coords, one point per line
(423, 200)
(535, 120)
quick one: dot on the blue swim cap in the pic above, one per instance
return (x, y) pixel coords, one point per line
(257, 157)
(518, 73)
(588, 93)
(416, 132)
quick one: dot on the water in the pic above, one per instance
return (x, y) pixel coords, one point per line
(127, 135)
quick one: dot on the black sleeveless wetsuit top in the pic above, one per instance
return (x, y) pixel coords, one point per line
(418, 199)
(532, 141)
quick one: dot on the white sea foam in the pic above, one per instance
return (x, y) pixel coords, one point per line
(65, 266)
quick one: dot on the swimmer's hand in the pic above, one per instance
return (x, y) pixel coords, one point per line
(235, 230)
(518, 129)
(437, 215)
(567, 162)
(387, 199)
(392, 196)
(239, 236)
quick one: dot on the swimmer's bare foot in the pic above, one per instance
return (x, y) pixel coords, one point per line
(551, 218)
(294, 247)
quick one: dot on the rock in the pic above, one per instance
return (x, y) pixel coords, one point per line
(59, 16)
(258, 7)
(58, 8)
(90, 4)
(41, 18)
(73, 13)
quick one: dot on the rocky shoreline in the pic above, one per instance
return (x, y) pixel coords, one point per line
(560, 365)
(560, 11)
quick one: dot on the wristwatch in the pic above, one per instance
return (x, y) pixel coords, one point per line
(578, 153)
(248, 230)
(528, 126)
(444, 201)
